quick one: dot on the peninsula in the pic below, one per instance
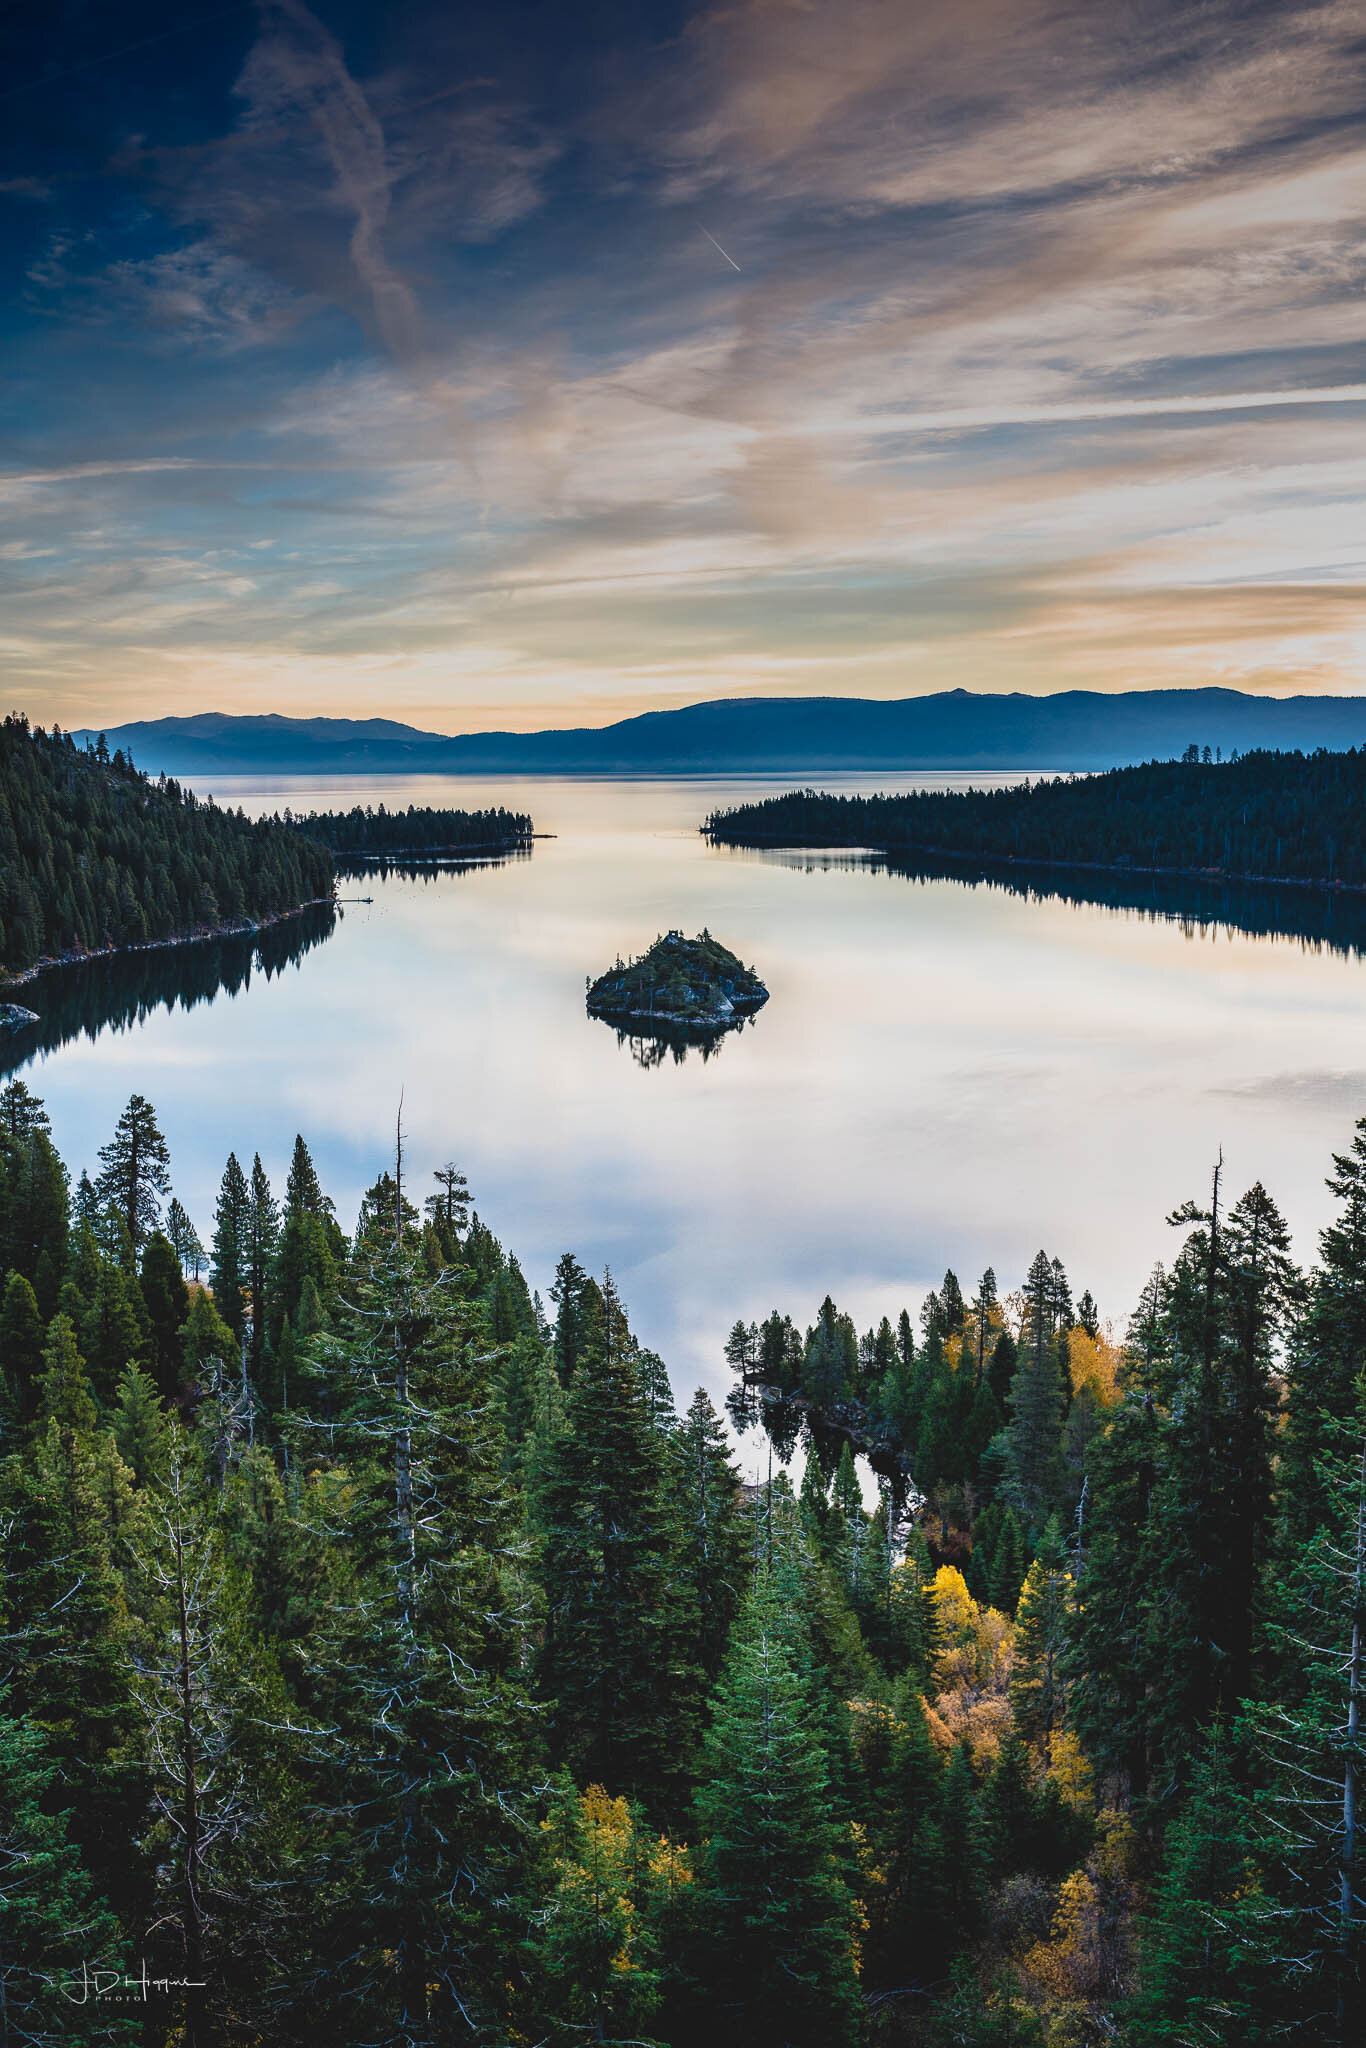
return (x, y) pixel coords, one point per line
(679, 984)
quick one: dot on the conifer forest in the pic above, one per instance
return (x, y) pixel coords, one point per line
(387, 1659)
(1262, 816)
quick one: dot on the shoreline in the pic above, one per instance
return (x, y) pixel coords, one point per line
(239, 928)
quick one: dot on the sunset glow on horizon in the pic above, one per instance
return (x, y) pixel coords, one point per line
(493, 368)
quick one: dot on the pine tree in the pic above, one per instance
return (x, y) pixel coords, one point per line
(167, 1301)
(773, 1903)
(1204, 1946)
(137, 1171)
(224, 1830)
(1211, 1510)
(111, 1333)
(1107, 1662)
(714, 1555)
(627, 1695)
(1036, 1405)
(420, 1675)
(21, 1350)
(910, 1926)
(263, 1234)
(184, 1237)
(21, 1112)
(229, 1264)
(567, 1292)
(1007, 1564)
(205, 1337)
(1326, 1357)
(55, 1931)
(141, 1428)
(964, 1850)
(1037, 1690)
(65, 1614)
(449, 1207)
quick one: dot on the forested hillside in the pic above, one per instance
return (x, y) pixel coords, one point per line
(368, 829)
(95, 855)
(385, 1657)
(1284, 817)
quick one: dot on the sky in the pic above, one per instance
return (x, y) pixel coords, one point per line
(517, 365)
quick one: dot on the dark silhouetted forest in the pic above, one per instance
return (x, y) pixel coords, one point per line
(1280, 817)
(368, 830)
(94, 854)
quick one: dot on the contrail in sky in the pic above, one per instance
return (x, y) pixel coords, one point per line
(717, 246)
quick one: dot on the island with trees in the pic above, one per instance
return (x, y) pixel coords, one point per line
(1296, 818)
(387, 1658)
(369, 832)
(678, 984)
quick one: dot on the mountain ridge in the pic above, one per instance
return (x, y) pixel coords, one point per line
(778, 735)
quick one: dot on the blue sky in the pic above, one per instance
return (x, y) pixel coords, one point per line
(527, 365)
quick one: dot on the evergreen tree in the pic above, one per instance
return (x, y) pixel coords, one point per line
(567, 1292)
(1004, 1361)
(449, 1207)
(420, 1675)
(55, 1931)
(627, 1695)
(1204, 1974)
(262, 1238)
(167, 1301)
(65, 1613)
(21, 1112)
(224, 1826)
(21, 1350)
(229, 1263)
(1037, 1690)
(141, 1429)
(137, 1171)
(714, 1556)
(184, 1238)
(1036, 1404)
(111, 1333)
(774, 1906)
(204, 1338)
(1326, 1357)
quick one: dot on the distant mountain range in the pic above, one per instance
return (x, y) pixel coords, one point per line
(776, 735)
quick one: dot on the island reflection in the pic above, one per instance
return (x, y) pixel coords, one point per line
(675, 1042)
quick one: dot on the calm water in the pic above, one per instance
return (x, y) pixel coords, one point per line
(945, 1074)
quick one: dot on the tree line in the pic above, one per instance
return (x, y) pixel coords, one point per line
(1262, 815)
(384, 1658)
(369, 829)
(95, 855)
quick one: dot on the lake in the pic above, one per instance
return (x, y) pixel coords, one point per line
(948, 1071)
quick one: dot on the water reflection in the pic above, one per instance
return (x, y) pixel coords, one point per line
(1316, 919)
(790, 1422)
(661, 1042)
(422, 868)
(122, 990)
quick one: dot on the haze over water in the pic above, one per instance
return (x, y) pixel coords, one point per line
(944, 1074)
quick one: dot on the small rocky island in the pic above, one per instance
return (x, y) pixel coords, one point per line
(690, 987)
